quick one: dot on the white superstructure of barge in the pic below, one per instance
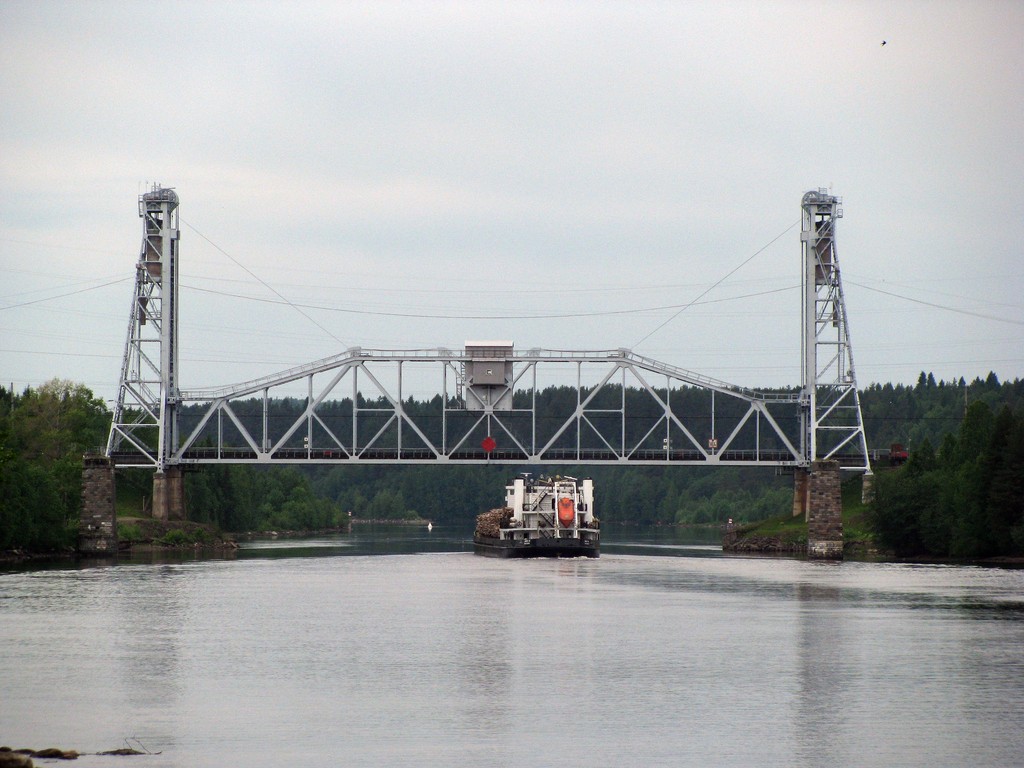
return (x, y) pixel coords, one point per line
(546, 517)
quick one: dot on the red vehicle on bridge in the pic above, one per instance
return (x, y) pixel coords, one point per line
(898, 454)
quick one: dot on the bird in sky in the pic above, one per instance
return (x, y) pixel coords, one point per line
(884, 42)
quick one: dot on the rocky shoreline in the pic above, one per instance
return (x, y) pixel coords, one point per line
(774, 545)
(144, 536)
(22, 758)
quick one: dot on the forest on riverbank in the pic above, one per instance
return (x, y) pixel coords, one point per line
(961, 435)
(961, 499)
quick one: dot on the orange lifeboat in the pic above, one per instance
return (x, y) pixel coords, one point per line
(566, 511)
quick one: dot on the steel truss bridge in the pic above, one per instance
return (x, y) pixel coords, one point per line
(492, 403)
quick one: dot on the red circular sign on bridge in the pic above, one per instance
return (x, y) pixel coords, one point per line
(488, 444)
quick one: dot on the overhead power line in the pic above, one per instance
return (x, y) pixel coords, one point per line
(64, 295)
(264, 283)
(717, 283)
(939, 306)
(429, 316)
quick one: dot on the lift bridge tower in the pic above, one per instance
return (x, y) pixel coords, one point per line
(148, 395)
(831, 421)
(833, 424)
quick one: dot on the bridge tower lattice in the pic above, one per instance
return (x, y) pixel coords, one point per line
(831, 413)
(147, 397)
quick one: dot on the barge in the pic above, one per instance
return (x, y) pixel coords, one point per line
(547, 517)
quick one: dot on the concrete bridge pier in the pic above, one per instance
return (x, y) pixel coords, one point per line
(97, 524)
(801, 478)
(867, 487)
(817, 494)
(169, 494)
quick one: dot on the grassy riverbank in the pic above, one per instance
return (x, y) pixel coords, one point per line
(145, 532)
(788, 534)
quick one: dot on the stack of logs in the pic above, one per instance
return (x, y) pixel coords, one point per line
(490, 523)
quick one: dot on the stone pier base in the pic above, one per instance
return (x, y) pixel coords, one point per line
(97, 525)
(825, 512)
(169, 494)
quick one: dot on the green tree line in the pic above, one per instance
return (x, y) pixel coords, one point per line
(45, 431)
(43, 434)
(930, 409)
(246, 498)
(964, 500)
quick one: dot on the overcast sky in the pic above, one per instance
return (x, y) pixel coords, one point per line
(413, 175)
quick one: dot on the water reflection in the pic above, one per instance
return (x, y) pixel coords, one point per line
(483, 639)
(362, 540)
(665, 541)
(405, 539)
(446, 658)
(151, 605)
(822, 664)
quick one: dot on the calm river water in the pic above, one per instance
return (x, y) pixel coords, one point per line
(402, 648)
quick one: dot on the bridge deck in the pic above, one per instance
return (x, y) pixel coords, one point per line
(205, 456)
